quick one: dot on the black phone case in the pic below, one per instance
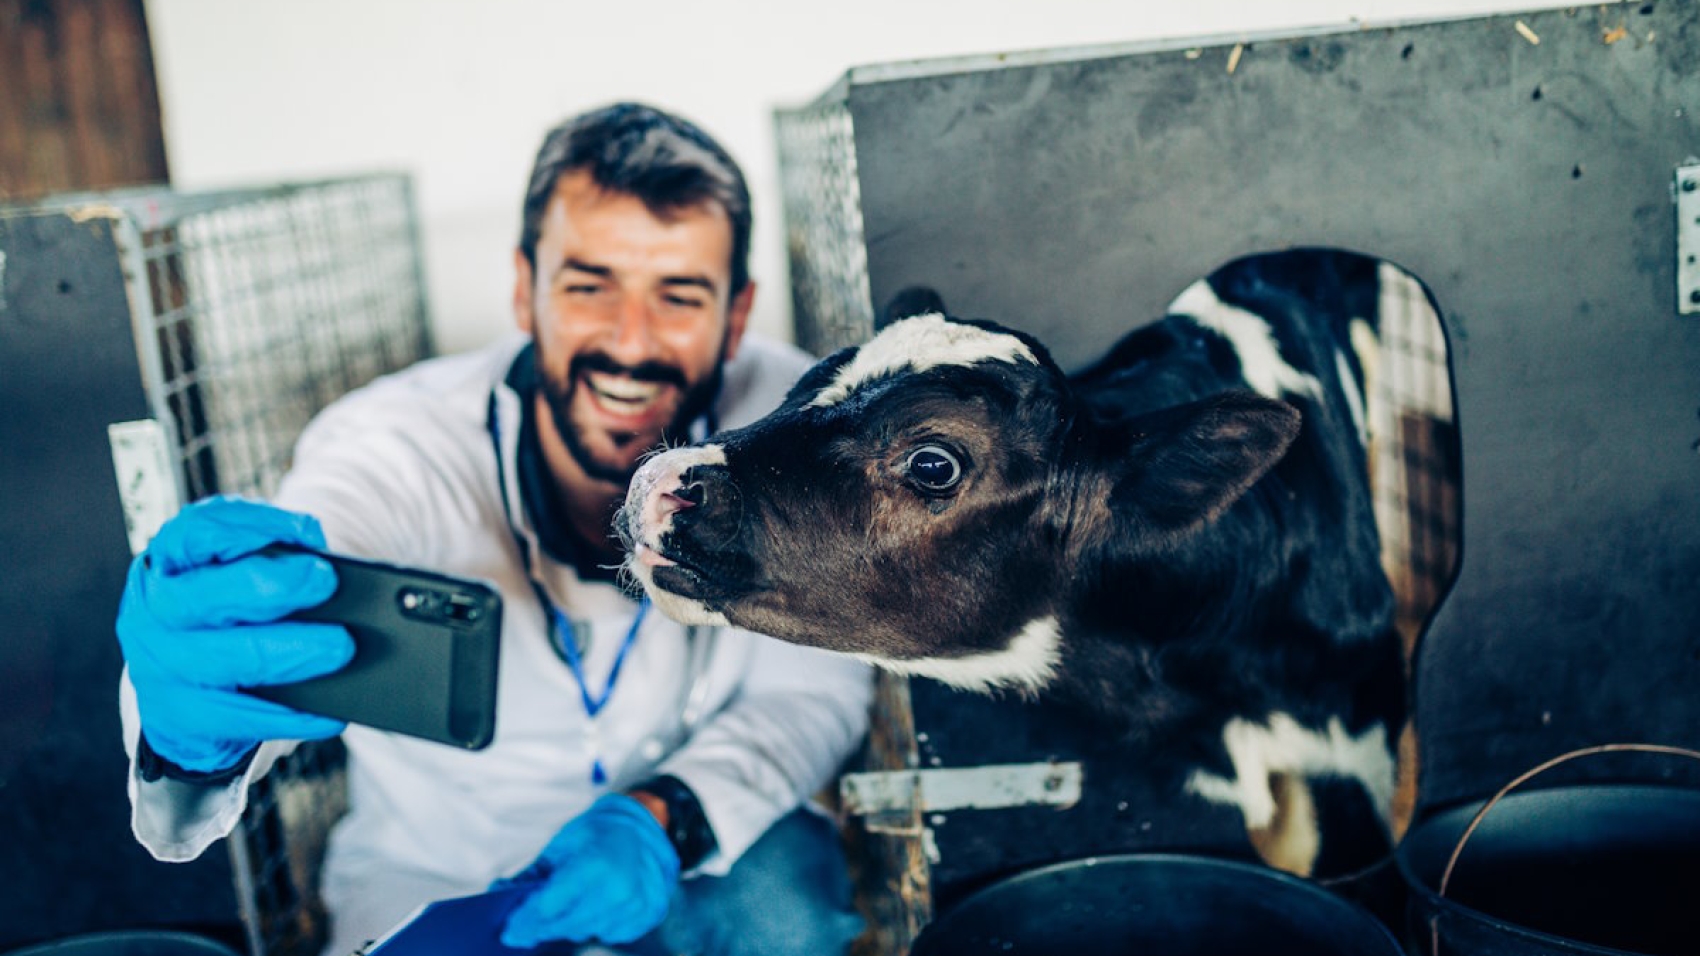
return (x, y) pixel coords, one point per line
(425, 654)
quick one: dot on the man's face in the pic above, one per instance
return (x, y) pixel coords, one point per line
(632, 315)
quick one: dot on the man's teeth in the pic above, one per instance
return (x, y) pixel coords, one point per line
(626, 394)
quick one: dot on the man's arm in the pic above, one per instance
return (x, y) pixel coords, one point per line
(798, 715)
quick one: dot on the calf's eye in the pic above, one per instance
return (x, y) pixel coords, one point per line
(933, 468)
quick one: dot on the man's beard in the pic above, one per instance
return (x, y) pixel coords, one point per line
(558, 394)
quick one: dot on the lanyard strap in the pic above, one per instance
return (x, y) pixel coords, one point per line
(556, 623)
(568, 647)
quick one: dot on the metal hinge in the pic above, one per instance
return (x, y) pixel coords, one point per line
(1688, 240)
(894, 801)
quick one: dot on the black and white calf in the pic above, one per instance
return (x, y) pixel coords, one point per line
(1179, 537)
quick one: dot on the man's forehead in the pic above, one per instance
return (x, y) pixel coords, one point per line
(614, 231)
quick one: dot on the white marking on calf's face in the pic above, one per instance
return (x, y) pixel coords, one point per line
(1282, 745)
(1027, 663)
(648, 519)
(917, 344)
(660, 476)
(1253, 340)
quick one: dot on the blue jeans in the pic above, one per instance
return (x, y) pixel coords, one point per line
(788, 895)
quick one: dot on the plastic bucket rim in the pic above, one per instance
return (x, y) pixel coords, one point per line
(1343, 907)
(1451, 907)
(47, 947)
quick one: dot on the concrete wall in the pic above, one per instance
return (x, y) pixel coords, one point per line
(460, 93)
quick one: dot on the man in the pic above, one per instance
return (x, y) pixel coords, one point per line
(629, 750)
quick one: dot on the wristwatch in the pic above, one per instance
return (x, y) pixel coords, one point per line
(687, 826)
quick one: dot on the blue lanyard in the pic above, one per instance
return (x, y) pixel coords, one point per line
(559, 627)
(562, 630)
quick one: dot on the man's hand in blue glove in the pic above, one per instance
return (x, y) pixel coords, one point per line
(608, 875)
(196, 623)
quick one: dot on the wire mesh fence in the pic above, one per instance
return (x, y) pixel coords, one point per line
(252, 309)
(1414, 467)
(823, 226)
(266, 305)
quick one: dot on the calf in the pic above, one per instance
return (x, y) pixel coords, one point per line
(1178, 538)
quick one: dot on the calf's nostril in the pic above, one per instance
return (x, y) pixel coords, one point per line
(691, 493)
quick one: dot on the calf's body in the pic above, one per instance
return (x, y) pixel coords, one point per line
(1178, 539)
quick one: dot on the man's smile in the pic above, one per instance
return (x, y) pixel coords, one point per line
(627, 407)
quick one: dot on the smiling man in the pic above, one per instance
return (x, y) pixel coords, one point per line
(633, 313)
(629, 751)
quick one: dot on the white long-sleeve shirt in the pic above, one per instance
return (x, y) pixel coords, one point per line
(405, 471)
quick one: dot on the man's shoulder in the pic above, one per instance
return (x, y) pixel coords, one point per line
(447, 391)
(461, 379)
(758, 378)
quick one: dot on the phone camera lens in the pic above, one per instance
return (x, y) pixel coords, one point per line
(419, 601)
(463, 609)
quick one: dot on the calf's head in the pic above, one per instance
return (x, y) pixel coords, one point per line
(932, 501)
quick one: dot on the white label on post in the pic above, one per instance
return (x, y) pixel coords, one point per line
(141, 457)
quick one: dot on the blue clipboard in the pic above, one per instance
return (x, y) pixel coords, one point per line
(463, 925)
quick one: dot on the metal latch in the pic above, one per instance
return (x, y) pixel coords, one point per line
(895, 800)
(1688, 240)
(147, 482)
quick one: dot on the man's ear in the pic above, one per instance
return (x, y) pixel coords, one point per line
(523, 314)
(738, 319)
(1186, 465)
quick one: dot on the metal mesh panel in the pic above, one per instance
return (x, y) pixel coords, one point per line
(831, 302)
(267, 305)
(253, 309)
(279, 844)
(1414, 464)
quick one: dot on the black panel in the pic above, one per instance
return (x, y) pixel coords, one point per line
(68, 367)
(1529, 185)
(1121, 808)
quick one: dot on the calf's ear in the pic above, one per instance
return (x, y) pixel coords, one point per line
(1184, 466)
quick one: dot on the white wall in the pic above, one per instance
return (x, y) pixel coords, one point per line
(460, 92)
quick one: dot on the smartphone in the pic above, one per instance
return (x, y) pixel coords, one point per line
(425, 653)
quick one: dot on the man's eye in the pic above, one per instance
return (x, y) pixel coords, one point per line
(933, 468)
(682, 302)
(577, 288)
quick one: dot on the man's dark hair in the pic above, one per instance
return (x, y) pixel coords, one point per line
(663, 160)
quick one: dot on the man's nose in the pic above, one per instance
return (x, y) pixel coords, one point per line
(632, 339)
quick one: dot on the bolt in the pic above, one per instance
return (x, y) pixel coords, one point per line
(1053, 783)
(1689, 185)
(1694, 297)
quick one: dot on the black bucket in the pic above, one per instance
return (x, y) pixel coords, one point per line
(1150, 904)
(128, 943)
(1597, 869)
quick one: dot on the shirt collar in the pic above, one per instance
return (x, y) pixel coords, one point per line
(538, 494)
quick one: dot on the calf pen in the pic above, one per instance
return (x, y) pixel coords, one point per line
(1520, 178)
(206, 329)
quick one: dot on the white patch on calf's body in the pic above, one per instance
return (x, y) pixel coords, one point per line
(1253, 340)
(917, 344)
(1354, 396)
(1028, 662)
(1282, 745)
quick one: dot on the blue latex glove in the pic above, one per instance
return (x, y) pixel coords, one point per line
(609, 875)
(194, 625)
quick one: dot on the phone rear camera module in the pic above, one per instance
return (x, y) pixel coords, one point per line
(463, 609)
